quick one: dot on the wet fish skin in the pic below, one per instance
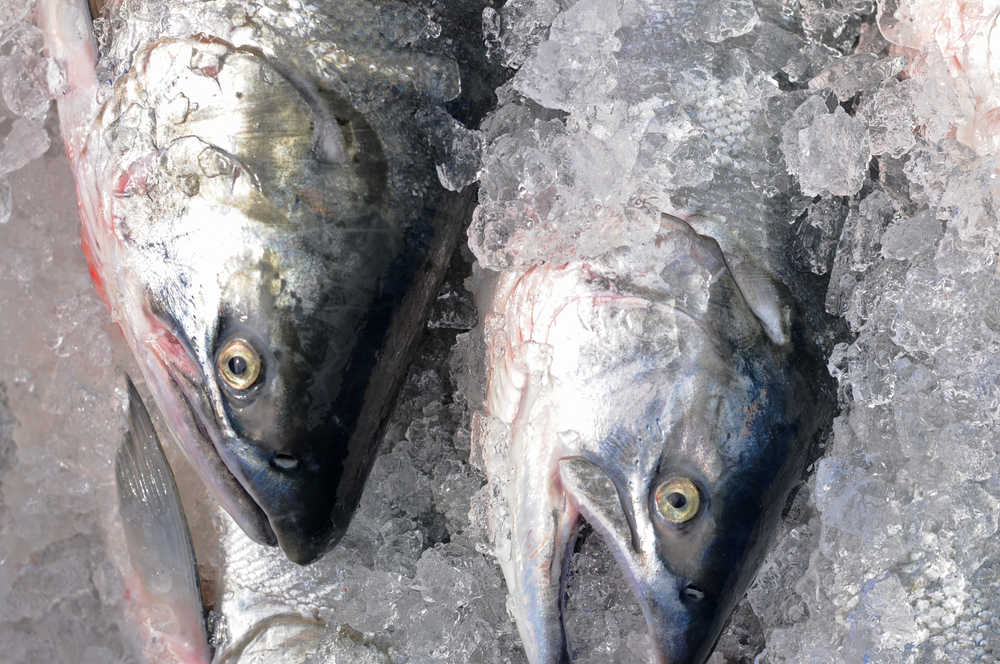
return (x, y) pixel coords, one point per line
(614, 376)
(230, 193)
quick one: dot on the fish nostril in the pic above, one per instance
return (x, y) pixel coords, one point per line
(694, 593)
(284, 462)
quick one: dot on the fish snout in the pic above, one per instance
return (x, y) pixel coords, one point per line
(296, 488)
(684, 615)
(684, 621)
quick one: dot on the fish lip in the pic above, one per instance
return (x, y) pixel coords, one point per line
(256, 525)
(303, 534)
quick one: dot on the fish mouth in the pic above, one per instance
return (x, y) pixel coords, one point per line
(293, 492)
(203, 451)
(684, 618)
(277, 499)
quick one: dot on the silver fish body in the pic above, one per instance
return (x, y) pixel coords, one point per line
(261, 213)
(661, 393)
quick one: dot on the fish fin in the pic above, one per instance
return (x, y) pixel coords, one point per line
(766, 298)
(156, 532)
(235, 650)
(764, 294)
(69, 37)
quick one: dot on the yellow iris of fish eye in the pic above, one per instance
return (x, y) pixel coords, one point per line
(677, 500)
(239, 364)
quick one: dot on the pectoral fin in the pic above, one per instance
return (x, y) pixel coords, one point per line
(157, 537)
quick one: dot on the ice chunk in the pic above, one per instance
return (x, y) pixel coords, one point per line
(780, 50)
(617, 634)
(834, 22)
(674, 153)
(889, 116)
(24, 75)
(576, 65)
(26, 141)
(457, 149)
(517, 29)
(543, 199)
(829, 152)
(717, 20)
(817, 234)
(940, 102)
(856, 73)
(804, 115)
(883, 622)
(904, 240)
(783, 569)
(850, 499)
(14, 11)
(6, 200)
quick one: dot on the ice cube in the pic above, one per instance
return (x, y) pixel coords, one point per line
(828, 152)
(26, 141)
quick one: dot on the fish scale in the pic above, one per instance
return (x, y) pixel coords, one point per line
(970, 633)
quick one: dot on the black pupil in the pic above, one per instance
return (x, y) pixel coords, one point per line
(237, 365)
(677, 500)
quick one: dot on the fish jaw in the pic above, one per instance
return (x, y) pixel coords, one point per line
(648, 374)
(299, 505)
(173, 380)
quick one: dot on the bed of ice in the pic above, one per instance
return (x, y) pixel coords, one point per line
(890, 553)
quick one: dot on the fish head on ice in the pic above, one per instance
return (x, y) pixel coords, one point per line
(699, 437)
(271, 315)
(670, 410)
(249, 255)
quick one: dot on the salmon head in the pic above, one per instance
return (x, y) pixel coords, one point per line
(253, 265)
(237, 221)
(660, 394)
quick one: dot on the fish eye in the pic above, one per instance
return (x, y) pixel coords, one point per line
(239, 364)
(677, 500)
